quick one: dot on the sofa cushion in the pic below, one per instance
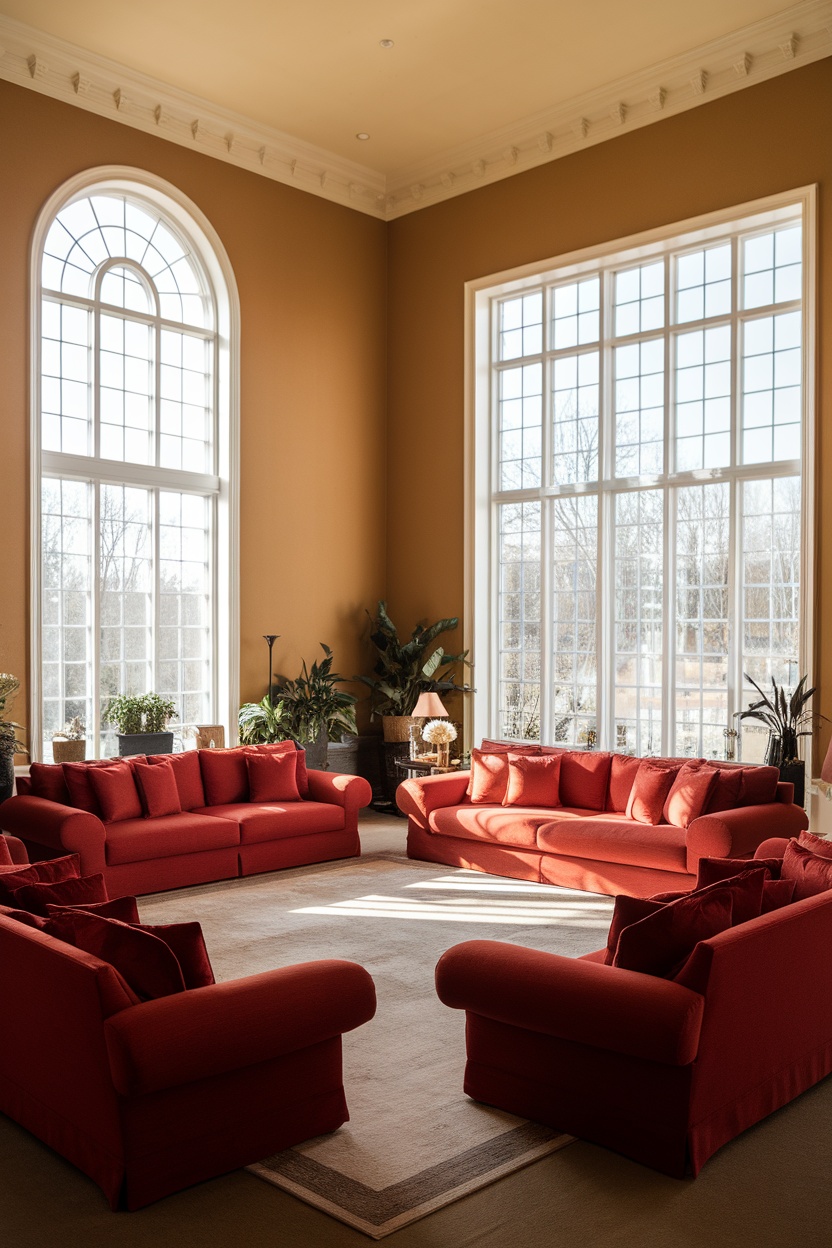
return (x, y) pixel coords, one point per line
(759, 785)
(584, 777)
(501, 825)
(186, 942)
(147, 963)
(273, 777)
(811, 873)
(689, 793)
(115, 791)
(777, 893)
(623, 770)
(125, 909)
(615, 838)
(275, 821)
(280, 747)
(73, 892)
(157, 789)
(50, 871)
(650, 789)
(532, 780)
(224, 776)
(661, 943)
(816, 844)
(188, 776)
(627, 910)
(489, 777)
(47, 780)
(77, 777)
(711, 870)
(725, 794)
(191, 832)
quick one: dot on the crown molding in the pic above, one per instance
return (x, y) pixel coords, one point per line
(797, 36)
(66, 72)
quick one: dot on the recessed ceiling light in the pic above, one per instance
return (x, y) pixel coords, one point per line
(362, 134)
(386, 43)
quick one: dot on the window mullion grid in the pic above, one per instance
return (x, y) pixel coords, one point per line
(494, 569)
(95, 596)
(668, 667)
(605, 559)
(547, 511)
(155, 604)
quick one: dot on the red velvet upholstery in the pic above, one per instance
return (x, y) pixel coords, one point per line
(690, 793)
(188, 775)
(271, 821)
(596, 849)
(149, 1098)
(664, 1072)
(136, 840)
(89, 889)
(489, 777)
(157, 789)
(115, 791)
(650, 789)
(272, 777)
(224, 776)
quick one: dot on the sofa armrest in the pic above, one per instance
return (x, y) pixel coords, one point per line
(737, 833)
(582, 1002)
(17, 850)
(223, 1027)
(774, 847)
(418, 796)
(351, 792)
(62, 828)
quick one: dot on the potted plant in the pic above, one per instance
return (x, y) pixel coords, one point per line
(69, 744)
(9, 742)
(309, 710)
(141, 721)
(787, 718)
(404, 670)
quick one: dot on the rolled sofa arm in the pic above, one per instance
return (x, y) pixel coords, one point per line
(417, 797)
(351, 792)
(208, 1031)
(62, 828)
(583, 1002)
(737, 833)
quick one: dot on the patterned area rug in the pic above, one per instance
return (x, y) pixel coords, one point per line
(414, 1142)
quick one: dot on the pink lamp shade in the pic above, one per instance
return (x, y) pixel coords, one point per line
(429, 706)
(826, 769)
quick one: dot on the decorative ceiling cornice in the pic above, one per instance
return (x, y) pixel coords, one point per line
(41, 62)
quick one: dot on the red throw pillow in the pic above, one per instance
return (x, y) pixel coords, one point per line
(533, 780)
(628, 910)
(77, 777)
(47, 781)
(51, 871)
(689, 793)
(759, 785)
(725, 794)
(224, 776)
(649, 793)
(147, 963)
(489, 777)
(5, 853)
(188, 776)
(116, 793)
(623, 771)
(186, 942)
(72, 892)
(816, 844)
(157, 790)
(777, 893)
(712, 870)
(811, 873)
(660, 943)
(125, 909)
(584, 777)
(283, 747)
(272, 777)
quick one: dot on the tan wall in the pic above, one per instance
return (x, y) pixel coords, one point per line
(765, 139)
(311, 279)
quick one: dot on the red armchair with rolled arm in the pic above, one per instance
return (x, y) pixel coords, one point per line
(149, 1098)
(646, 1066)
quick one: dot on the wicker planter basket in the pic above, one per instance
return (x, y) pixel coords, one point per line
(397, 727)
(69, 751)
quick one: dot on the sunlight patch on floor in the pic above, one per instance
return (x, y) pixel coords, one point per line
(465, 909)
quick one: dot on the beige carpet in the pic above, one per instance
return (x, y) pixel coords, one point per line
(414, 1142)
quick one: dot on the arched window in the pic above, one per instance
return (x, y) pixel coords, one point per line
(134, 393)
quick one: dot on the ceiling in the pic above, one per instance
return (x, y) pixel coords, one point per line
(458, 70)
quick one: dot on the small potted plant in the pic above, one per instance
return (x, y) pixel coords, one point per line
(69, 744)
(10, 744)
(141, 723)
(787, 717)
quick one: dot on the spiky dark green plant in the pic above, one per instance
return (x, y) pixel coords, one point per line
(405, 669)
(786, 716)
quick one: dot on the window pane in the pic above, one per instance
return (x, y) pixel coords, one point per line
(521, 326)
(772, 267)
(770, 595)
(771, 388)
(703, 283)
(575, 418)
(519, 622)
(639, 299)
(639, 409)
(576, 316)
(66, 643)
(65, 378)
(701, 591)
(125, 588)
(703, 399)
(127, 389)
(186, 397)
(185, 613)
(638, 578)
(574, 618)
(521, 400)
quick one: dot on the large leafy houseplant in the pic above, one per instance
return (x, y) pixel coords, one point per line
(787, 718)
(404, 669)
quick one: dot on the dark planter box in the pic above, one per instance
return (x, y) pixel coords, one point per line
(144, 743)
(795, 773)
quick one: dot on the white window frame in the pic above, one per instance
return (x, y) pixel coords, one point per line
(480, 544)
(225, 625)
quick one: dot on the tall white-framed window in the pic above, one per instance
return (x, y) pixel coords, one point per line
(639, 518)
(135, 332)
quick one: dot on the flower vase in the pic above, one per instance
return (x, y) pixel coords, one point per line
(443, 753)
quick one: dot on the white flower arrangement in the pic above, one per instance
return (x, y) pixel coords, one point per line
(439, 732)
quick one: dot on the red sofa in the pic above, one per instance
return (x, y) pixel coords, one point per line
(149, 1098)
(218, 834)
(588, 843)
(655, 1070)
